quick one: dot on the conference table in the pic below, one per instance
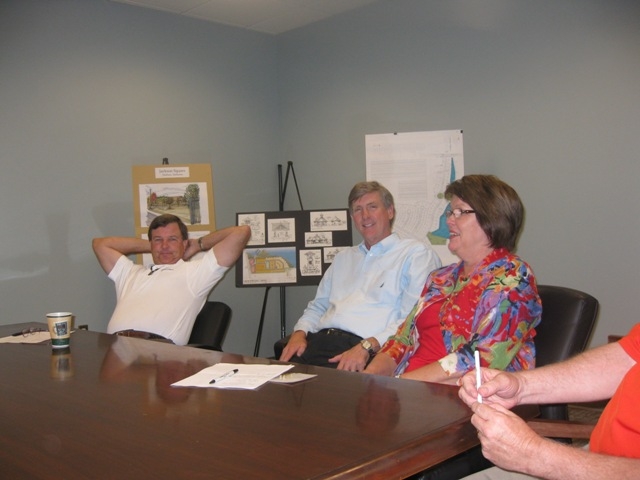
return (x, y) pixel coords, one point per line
(105, 408)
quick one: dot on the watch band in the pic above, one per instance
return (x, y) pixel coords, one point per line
(366, 344)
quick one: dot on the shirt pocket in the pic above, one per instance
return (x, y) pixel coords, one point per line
(383, 288)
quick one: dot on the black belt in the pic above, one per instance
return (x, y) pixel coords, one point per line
(337, 331)
(141, 334)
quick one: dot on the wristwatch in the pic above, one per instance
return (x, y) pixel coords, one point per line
(366, 344)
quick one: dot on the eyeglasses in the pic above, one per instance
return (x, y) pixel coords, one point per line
(28, 331)
(457, 213)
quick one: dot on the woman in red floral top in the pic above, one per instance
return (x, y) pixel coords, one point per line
(487, 302)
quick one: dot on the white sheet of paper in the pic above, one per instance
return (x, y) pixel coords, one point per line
(416, 167)
(292, 377)
(249, 377)
(37, 337)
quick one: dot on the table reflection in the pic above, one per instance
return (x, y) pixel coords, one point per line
(62, 367)
(378, 409)
(155, 366)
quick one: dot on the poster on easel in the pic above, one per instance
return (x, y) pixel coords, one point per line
(290, 248)
(185, 191)
(416, 168)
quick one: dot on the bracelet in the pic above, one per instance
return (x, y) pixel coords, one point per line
(202, 249)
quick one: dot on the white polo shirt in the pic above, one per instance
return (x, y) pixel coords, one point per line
(163, 299)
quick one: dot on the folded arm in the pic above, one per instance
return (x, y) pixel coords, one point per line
(509, 443)
(227, 244)
(109, 249)
(590, 376)
(579, 379)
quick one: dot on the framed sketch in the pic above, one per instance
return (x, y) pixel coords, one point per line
(291, 248)
(185, 191)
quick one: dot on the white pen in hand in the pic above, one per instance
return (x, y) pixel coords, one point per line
(223, 376)
(476, 356)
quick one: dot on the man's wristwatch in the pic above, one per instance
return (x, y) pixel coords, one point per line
(366, 344)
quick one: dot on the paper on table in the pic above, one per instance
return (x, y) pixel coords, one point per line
(36, 337)
(292, 377)
(249, 377)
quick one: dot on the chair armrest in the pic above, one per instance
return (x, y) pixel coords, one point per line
(561, 429)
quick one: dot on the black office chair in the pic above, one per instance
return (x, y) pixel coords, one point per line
(568, 319)
(211, 326)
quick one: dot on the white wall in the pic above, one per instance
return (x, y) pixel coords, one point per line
(546, 93)
(89, 88)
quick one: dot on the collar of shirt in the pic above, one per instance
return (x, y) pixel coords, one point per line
(157, 268)
(382, 246)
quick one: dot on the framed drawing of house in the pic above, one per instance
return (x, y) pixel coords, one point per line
(182, 190)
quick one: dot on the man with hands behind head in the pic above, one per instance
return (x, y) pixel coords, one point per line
(162, 301)
(611, 371)
(367, 291)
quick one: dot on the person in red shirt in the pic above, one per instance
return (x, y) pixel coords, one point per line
(611, 371)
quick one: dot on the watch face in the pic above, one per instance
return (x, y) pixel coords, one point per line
(366, 344)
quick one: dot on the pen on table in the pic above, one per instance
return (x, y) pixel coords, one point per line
(224, 375)
(476, 356)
